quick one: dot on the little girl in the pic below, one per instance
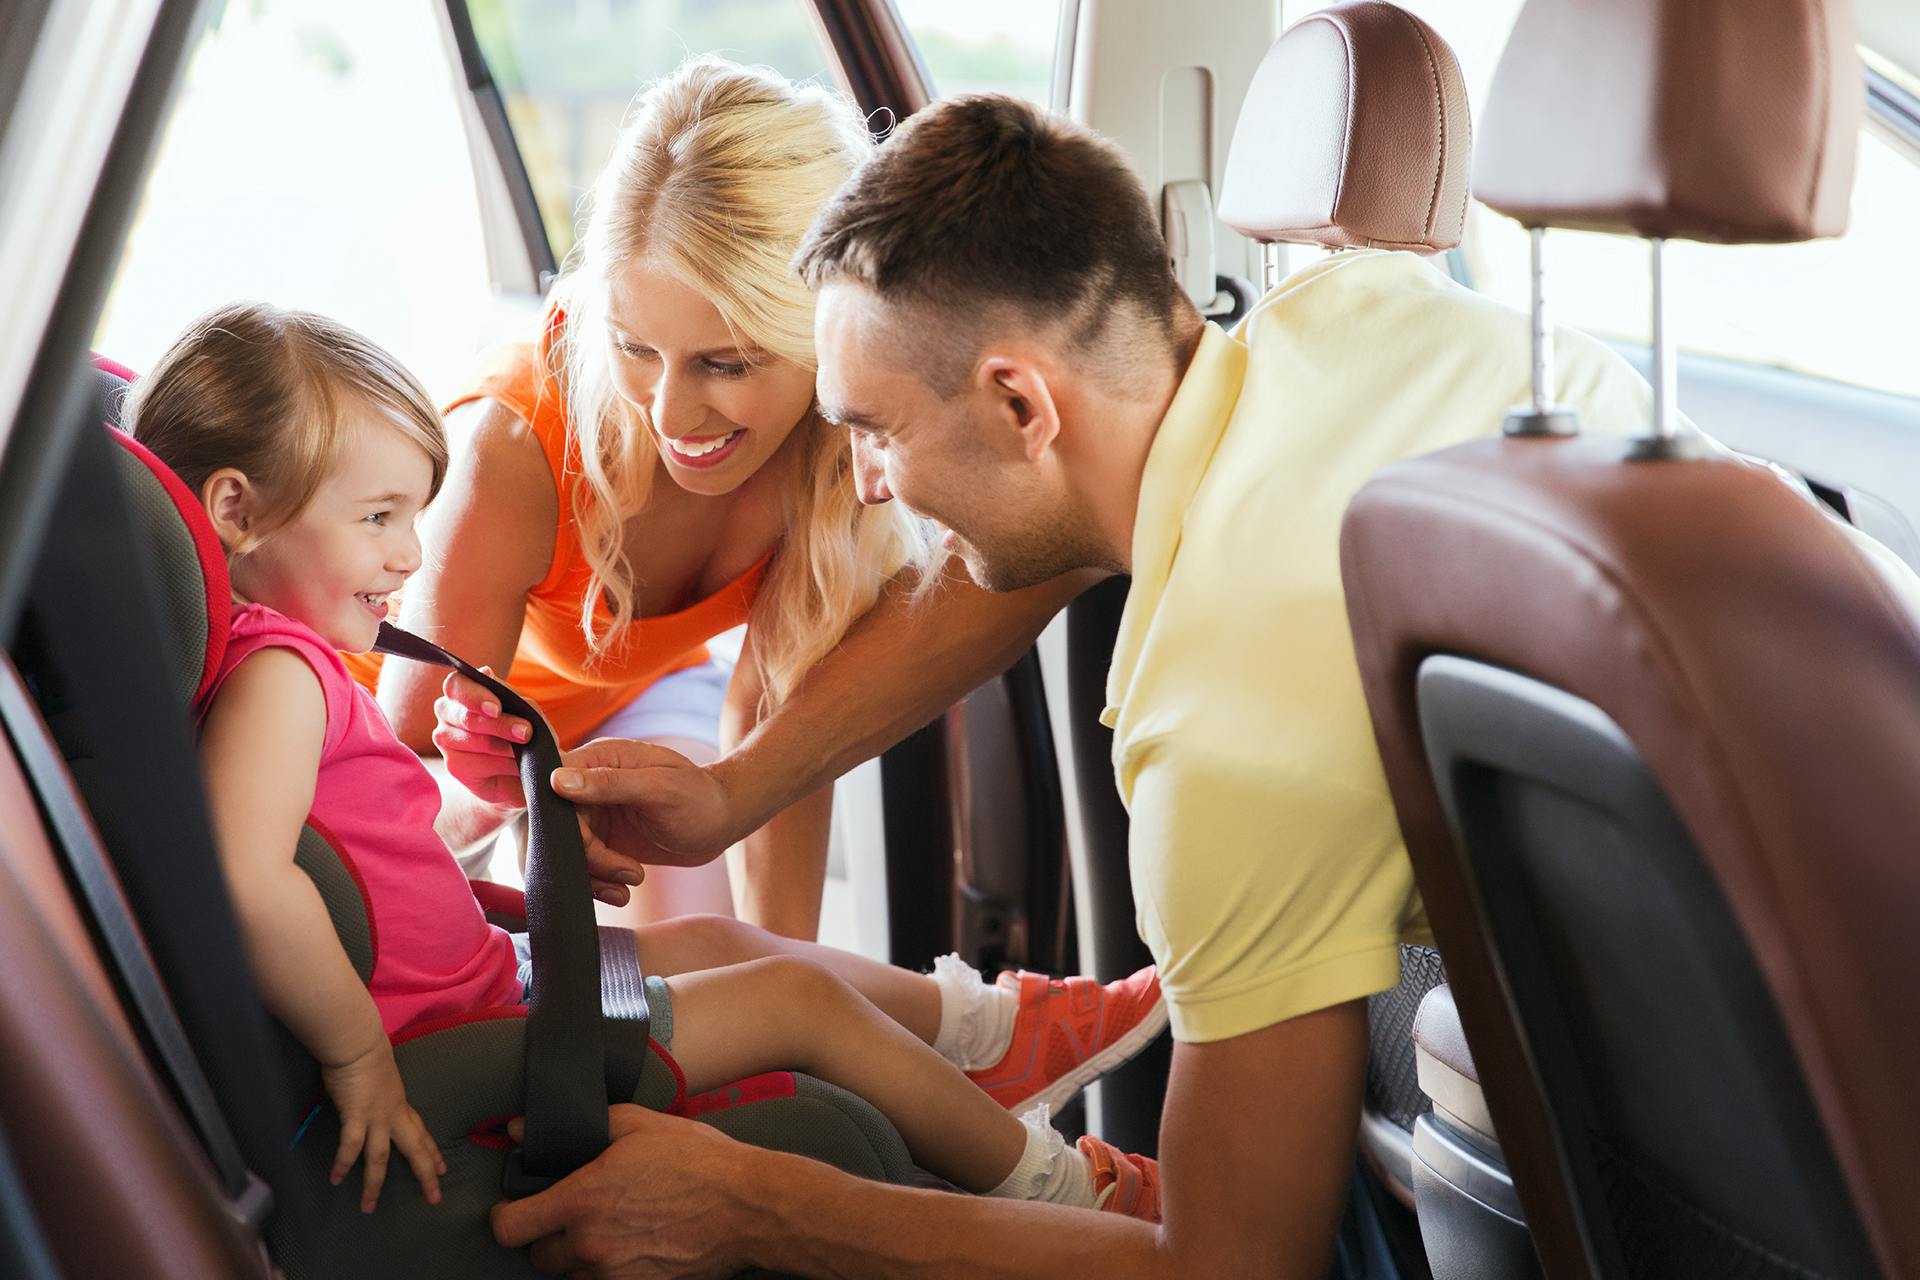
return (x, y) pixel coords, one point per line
(312, 452)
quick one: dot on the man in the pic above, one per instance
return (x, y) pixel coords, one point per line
(999, 329)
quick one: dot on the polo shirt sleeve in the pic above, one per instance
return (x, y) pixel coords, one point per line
(1267, 889)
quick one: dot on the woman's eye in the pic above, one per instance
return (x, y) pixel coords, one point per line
(632, 350)
(380, 518)
(720, 369)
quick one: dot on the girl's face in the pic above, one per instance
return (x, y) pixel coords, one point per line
(334, 565)
(716, 409)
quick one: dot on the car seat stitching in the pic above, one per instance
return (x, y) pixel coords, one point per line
(1440, 114)
(1821, 69)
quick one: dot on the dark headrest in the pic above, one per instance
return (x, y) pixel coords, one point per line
(189, 564)
(1721, 120)
(1354, 133)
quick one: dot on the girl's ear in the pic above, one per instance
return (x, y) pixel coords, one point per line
(232, 503)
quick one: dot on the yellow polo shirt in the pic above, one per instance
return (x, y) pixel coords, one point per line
(1266, 861)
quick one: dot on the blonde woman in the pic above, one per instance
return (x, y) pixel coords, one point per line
(651, 473)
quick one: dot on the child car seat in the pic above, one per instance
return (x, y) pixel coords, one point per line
(465, 1075)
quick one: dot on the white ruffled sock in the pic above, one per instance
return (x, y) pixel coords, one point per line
(976, 1017)
(1048, 1170)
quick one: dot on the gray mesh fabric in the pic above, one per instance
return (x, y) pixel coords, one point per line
(345, 906)
(176, 568)
(468, 1076)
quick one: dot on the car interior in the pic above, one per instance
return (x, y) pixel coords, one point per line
(1643, 708)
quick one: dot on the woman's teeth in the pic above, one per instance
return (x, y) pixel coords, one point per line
(373, 601)
(701, 448)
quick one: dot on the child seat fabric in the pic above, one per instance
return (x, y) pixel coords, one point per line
(465, 1074)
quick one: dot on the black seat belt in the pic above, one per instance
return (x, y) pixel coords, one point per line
(586, 1021)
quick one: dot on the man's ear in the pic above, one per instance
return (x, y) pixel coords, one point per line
(1022, 401)
(232, 503)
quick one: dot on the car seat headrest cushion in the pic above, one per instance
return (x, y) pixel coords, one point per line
(190, 563)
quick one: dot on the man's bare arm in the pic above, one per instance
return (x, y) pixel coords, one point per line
(1256, 1147)
(899, 666)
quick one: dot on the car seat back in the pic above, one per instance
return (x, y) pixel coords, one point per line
(1648, 716)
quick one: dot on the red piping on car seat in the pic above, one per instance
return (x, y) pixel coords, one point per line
(761, 1088)
(446, 1022)
(107, 364)
(360, 883)
(501, 898)
(206, 545)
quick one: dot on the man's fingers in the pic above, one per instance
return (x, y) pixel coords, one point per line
(517, 1223)
(624, 1118)
(593, 786)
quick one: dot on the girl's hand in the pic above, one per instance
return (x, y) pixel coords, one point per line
(476, 741)
(375, 1118)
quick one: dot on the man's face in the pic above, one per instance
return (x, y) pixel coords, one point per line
(956, 461)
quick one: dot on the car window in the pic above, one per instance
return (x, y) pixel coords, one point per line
(315, 158)
(568, 70)
(986, 46)
(1838, 308)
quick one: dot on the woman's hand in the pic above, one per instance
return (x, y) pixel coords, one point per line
(374, 1119)
(645, 803)
(477, 742)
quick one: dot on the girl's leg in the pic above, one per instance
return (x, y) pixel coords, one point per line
(784, 1013)
(692, 943)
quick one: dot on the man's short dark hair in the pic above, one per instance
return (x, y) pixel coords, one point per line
(987, 200)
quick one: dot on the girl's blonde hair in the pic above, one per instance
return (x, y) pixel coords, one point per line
(261, 390)
(715, 178)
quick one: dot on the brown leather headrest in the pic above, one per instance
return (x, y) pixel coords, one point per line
(1719, 120)
(1354, 133)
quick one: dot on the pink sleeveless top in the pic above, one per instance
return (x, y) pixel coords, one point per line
(434, 953)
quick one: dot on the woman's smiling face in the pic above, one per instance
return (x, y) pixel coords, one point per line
(716, 407)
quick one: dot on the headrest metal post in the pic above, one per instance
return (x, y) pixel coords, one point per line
(1540, 417)
(1666, 382)
(1273, 265)
(1542, 327)
(1665, 441)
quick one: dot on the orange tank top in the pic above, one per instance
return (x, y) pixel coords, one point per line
(551, 665)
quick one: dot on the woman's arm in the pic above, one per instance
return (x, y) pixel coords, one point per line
(485, 542)
(259, 757)
(900, 665)
(779, 871)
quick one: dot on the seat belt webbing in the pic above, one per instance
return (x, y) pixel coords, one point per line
(581, 1044)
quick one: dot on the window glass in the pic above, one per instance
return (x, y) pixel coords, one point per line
(568, 69)
(315, 158)
(985, 46)
(1837, 308)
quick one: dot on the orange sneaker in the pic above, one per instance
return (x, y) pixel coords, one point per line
(1068, 1033)
(1123, 1183)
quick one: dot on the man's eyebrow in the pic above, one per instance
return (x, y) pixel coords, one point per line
(849, 418)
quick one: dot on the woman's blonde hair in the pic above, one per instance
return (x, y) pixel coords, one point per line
(715, 178)
(261, 390)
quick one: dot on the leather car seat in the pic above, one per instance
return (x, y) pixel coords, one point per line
(1650, 720)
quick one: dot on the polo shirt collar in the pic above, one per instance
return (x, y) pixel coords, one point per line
(1182, 449)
